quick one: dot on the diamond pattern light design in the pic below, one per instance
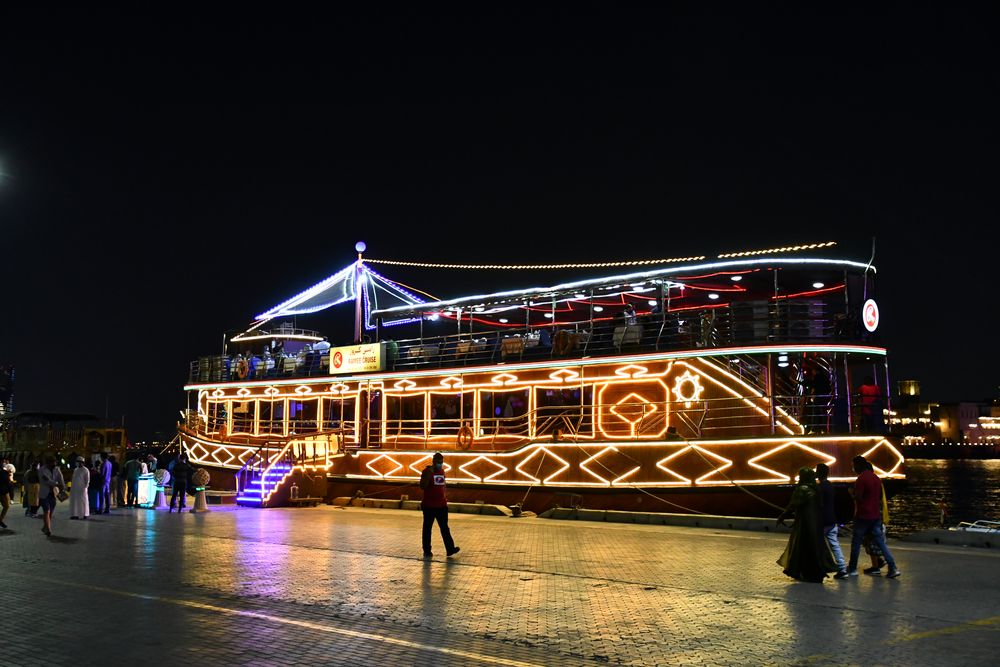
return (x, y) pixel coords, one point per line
(583, 466)
(419, 465)
(893, 451)
(626, 405)
(544, 451)
(687, 481)
(370, 465)
(780, 477)
(500, 469)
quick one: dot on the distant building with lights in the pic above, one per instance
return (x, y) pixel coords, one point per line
(931, 422)
(6, 390)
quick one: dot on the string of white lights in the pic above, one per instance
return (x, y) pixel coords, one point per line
(596, 265)
(524, 267)
(772, 251)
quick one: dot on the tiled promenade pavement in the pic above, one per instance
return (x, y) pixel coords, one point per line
(330, 586)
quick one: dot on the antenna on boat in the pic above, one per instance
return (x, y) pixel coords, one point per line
(870, 260)
(358, 287)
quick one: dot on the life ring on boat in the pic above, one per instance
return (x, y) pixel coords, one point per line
(242, 369)
(465, 437)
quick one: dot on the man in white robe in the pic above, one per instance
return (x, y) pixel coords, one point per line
(79, 508)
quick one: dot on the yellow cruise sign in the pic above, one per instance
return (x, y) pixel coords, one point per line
(357, 358)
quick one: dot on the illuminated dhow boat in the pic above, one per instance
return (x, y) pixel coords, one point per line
(730, 374)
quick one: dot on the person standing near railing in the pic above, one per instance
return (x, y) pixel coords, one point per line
(132, 470)
(629, 315)
(108, 474)
(872, 420)
(6, 493)
(179, 477)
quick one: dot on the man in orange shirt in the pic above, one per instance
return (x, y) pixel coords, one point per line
(871, 406)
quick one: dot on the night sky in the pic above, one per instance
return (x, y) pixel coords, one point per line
(165, 177)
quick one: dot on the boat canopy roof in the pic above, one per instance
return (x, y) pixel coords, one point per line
(705, 282)
(377, 291)
(659, 285)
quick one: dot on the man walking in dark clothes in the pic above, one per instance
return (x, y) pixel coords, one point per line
(180, 478)
(435, 505)
(828, 516)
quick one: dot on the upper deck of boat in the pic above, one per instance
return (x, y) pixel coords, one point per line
(740, 304)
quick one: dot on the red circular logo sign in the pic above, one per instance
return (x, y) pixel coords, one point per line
(869, 315)
(338, 359)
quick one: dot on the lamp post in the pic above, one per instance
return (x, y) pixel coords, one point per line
(359, 285)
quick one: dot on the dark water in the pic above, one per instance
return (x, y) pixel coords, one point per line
(971, 489)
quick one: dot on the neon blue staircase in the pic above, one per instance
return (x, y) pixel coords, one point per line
(259, 485)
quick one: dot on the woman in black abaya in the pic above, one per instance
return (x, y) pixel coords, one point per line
(807, 556)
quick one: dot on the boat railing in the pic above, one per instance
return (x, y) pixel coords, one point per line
(980, 526)
(740, 324)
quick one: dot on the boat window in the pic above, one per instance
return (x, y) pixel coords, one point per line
(244, 413)
(404, 415)
(504, 411)
(448, 411)
(339, 412)
(218, 416)
(303, 415)
(560, 408)
(272, 417)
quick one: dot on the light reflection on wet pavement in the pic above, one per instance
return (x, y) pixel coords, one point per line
(349, 586)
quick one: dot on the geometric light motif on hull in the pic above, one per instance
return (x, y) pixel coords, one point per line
(563, 375)
(631, 371)
(421, 463)
(615, 467)
(197, 452)
(687, 388)
(632, 409)
(482, 469)
(789, 457)
(697, 464)
(228, 456)
(384, 465)
(885, 458)
(541, 465)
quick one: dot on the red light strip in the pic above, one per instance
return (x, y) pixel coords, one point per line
(811, 293)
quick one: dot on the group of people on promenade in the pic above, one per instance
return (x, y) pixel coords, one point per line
(813, 547)
(92, 486)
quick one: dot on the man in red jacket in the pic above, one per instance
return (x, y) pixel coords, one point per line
(868, 516)
(435, 505)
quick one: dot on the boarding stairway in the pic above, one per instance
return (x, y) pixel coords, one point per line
(278, 475)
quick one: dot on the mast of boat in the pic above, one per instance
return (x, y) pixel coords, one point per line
(358, 287)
